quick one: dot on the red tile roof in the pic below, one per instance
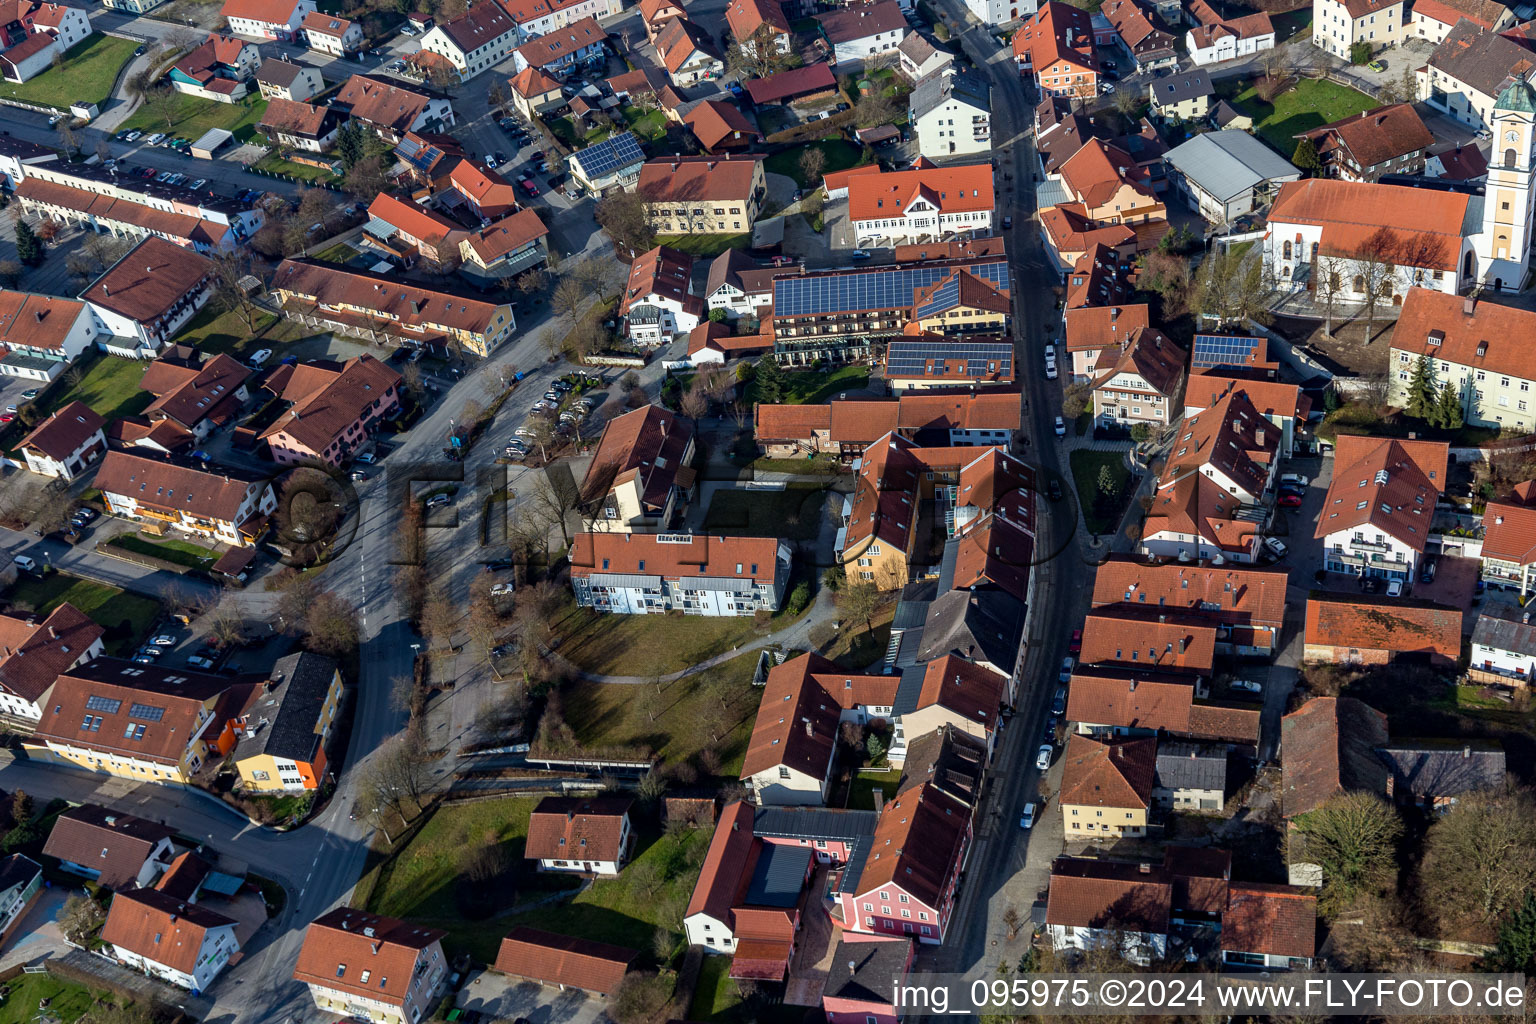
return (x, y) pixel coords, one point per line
(721, 876)
(62, 434)
(562, 960)
(492, 193)
(532, 82)
(327, 400)
(917, 845)
(1044, 38)
(416, 221)
(1277, 920)
(1488, 338)
(1369, 625)
(1272, 398)
(966, 188)
(647, 443)
(155, 483)
(1100, 327)
(295, 117)
(715, 122)
(1232, 594)
(34, 653)
(704, 556)
(508, 234)
(541, 51)
(1149, 356)
(1095, 173)
(1328, 746)
(189, 395)
(746, 17)
(316, 23)
(160, 927)
(1230, 436)
(483, 24)
(1107, 894)
(998, 552)
(109, 841)
(1155, 641)
(969, 690)
(578, 828)
(151, 279)
(1391, 484)
(1424, 224)
(406, 304)
(1375, 136)
(689, 178)
(1071, 231)
(273, 12)
(1509, 528)
(679, 41)
(36, 321)
(390, 104)
(1484, 13)
(808, 687)
(1196, 504)
(661, 271)
(1117, 773)
(340, 945)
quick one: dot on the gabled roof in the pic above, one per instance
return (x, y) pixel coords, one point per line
(1230, 436)
(1233, 594)
(1228, 163)
(725, 863)
(578, 828)
(1367, 625)
(390, 104)
(781, 85)
(1185, 85)
(797, 720)
(963, 688)
(161, 928)
(416, 221)
(1388, 483)
(33, 652)
(1107, 894)
(1153, 640)
(159, 484)
(190, 395)
(273, 12)
(541, 51)
(329, 400)
(1148, 354)
(1183, 764)
(867, 969)
(1091, 328)
(1483, 13)
(1425, 225)
(950, 760)
(532, 82)
(283, 717)
(296, 117)
(715, 121)
(755, 559)
(1097, 171)
(280, 72)
(1118, 773)
(862, 21)
(1375, 136)
(1276, 920)
(1505, 627)
(476, 181)
(407, 303)
(483, 24)
(917, 845)
(1482, 59)
(563, 960)
(316, 23)
(506, 235)
(1070, 230)
(949, 84)
(662, 272)
(647, 443)
(340, 945)
(109, 841)
(1439, 769)
(151, 279)
(688, 178)
(1136, 28)
(1272, 398)
(745, 17)
(1057, 32)
(679, 41)
(960, 189)
(1458, 329)
(62, 434)
(1328, 746)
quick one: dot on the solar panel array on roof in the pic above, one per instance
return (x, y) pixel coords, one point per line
(1222, 350)
(876, 288)
(976, 358)
(946, 296)
(609, 155)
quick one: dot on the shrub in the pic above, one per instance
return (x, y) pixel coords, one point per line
(799, 598)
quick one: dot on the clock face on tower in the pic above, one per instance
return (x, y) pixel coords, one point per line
(1511, 136)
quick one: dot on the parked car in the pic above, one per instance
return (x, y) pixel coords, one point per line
(1292, 480)
(1276, 546)
(1427, 574)
(259, 360)
(1395, 588)
(1027, 820)
(1076, 643)
(438, 501)
(529, 187)
(1377, 66)
(502, 589)
(1067, 665)
(859, 254)
(29, 394)
(1288, 499)
(1049, 732)
(151, 650)
(1247, 685)
(198, 661)
(1061, 427)
(1054, 489)
(164, 640)
(1043, 758)
(199, 183)
(366, 458)
(1059, 702)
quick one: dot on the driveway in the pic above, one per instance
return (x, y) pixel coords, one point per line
(38, 935)
(498, 997)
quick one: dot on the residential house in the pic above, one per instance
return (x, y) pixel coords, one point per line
(17, 156)
(266, 19)
(149, 295)
(1106, 703)
(1434, 19)
(1093, 904)
(42, 334)
(864, 978)
(1055, 48)
(334, 408)
(754, 22)
(563, 961)
(1469, 69)
(1327, 747)
(846, 427)
(1269, 926)
(1471, 346)
(1380, 504)
(720, 126)
(356, 963)
(641, 470)
(479, 191)
(542, 17)
(1105, 180)
(504, 249)
(1091, 331)
(1246, 603)
(1216, 39)
(931, 361)
(615, 162)
(1434, 774)
(391, 108)
(34, 654)
(197, 395)
(1346, 630)
(279, 79)
(1337, 25)
(133, 208)
(1226, 174)
(1069, 236)
(533, 92)
(337, 36)
(950, 760)
(710, 195)
(21, 879)
(907, 887)
(300, 125)
(713, 342)
(1384, 140)
(655, 14)
(949, 693)
(953, 114)
(688, 53)
(1509, 544)
(1181, 97)
(142, 722)
(1146, 45)
(657, 304)
(1286, 406)
(996, 12)
(1141, 383)
(1102, 277)
(1503, 647)
(222, 504)
(697, 574)
(741, 286)
(35, 33)
(381, 308)
(218, 70)
(917, 58)
(66, 443)
(169, 938)
(790, 754)
(1190, 776)
(134, 7)
(288, 724)
(584, 835)
(1455, 161)
(813, 81)
(857, 33)
(1123, 638)
(481, 37)
(116, 850)
(561, 50)
(1224, 115)
(923, 205)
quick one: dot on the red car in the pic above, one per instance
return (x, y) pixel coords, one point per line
(1076, 646)
(529, 187)
(1289, 500)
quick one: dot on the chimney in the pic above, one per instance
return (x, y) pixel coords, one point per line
(1144, 868)
(810, 730)
(53, 634)
(38, 314)
(851, 967)
(1466, 753)
(1258, 436)
(106, 289)
(1469, 304)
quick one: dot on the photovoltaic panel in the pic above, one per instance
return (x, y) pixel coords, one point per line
(911, 358)
(947, 296)
(1222, 350)
(609, 155)
(875, 288)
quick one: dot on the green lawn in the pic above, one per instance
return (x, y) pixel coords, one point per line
(796, 512)
(110, 387)
(183, 553)
(126, 617)
(713, 709)
(215, 329)
(1101, 516)
(274, 163)
(90, 67)
(648, 124)
(705, 245)
(1312, 102)
(341, 252)
(67, 1000)
(644, 645)
(840, 155)
(716, 993)
(861, 793)
(193, 116)
(815, 387)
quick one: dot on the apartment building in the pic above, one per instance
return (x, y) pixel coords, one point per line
(66, 443)
(42, 334)
(221, 504)
(33, 654)
(482, 36)
(145, 298)
(327, 33)
(709, 195)
(953, 114)
(695, 574)
(1381, 503)
(1141, 383)
(287, 724)
(862, 33)
(1106, 787)
(1337, 25)
(1475, 347)
(279, 79)
(266, 19)
(920, 206)
(1390, 139)
(1055, 47)
(390, 108)
(642, 468)
(365, 965)
(164, 936)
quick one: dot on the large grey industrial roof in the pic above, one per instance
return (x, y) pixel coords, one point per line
(1229, 163)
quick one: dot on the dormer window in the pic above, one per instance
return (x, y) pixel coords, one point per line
(1435, 338)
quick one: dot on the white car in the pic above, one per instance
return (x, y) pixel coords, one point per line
(1043, 759)
(164, 640)
(1061, 427)
(197, 661)
(501, 589)
(133, 136)
(156, 139)
(260, 358)
(1028, 818)
(1248, 685)
(1276, 546)
(1395, 588)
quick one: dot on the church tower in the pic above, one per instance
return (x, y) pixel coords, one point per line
(1508, 206)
